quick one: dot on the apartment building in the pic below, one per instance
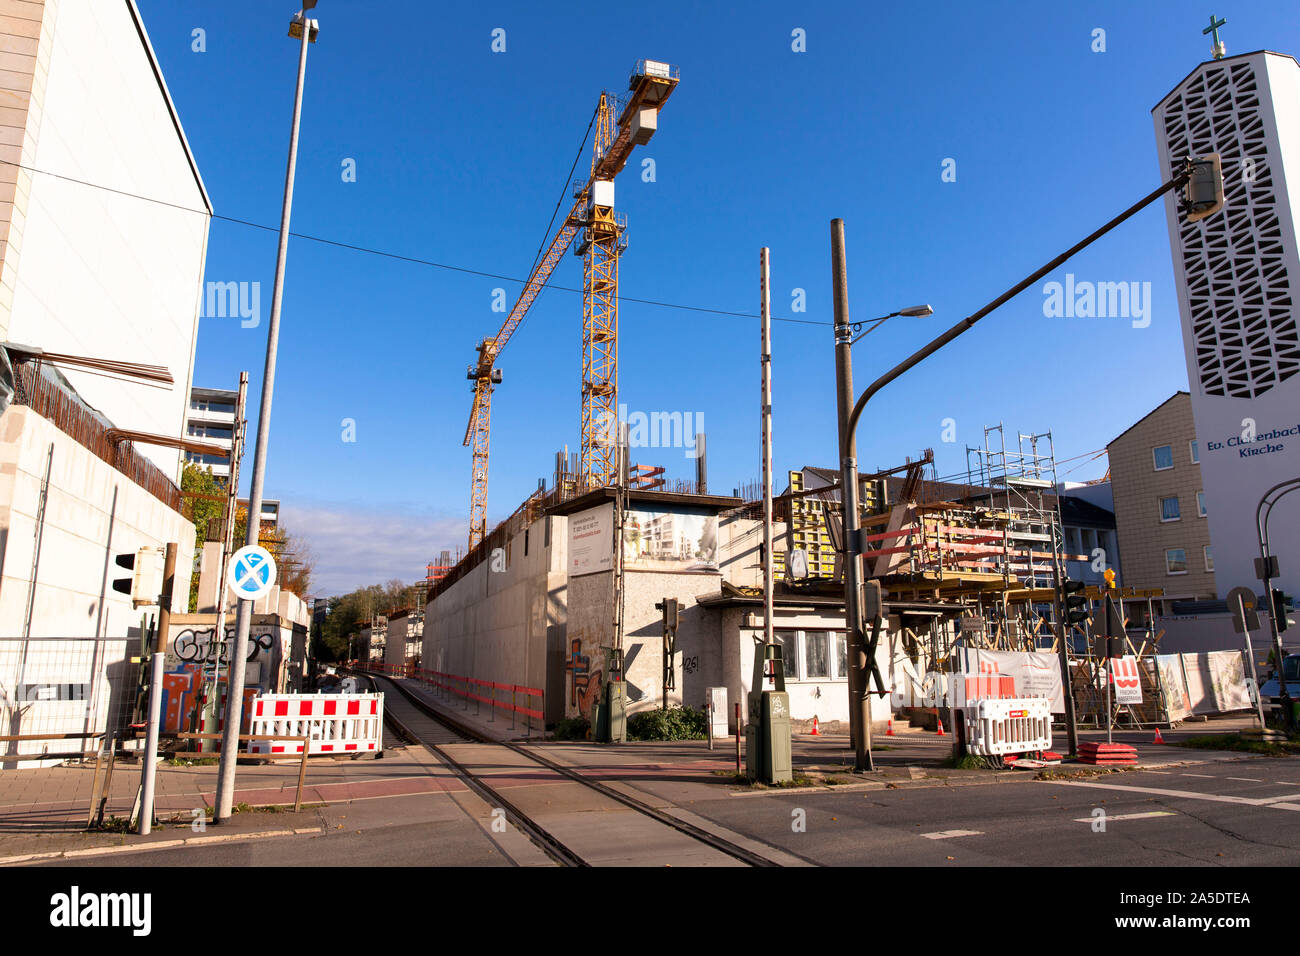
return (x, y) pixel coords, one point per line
(1160, 504)
(212, 419)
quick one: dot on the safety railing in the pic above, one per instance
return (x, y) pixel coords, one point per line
(515, 699)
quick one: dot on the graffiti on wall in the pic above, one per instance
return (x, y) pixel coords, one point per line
(198, 647)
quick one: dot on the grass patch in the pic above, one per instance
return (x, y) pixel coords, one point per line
(1058, 774)
(192, 761)
(968, 762)
(115, 824)
(1236, 742)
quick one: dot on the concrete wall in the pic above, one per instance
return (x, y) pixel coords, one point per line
(395, 648)
(698, 661)
(507, 624)
(93, 513)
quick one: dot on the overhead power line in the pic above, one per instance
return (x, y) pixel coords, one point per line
(399, 257)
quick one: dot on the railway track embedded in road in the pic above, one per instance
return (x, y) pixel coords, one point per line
(414, 720)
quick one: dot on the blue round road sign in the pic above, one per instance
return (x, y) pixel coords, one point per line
(252, 572)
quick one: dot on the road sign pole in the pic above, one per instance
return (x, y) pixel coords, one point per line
(234, 708)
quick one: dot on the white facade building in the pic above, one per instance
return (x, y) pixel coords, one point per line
(212, 419)
(1238, 279)
(103, 232)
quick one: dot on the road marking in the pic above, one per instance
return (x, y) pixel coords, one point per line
(1247, 779)
(1203, 776)
(949, 834)
(1111, 817)
(1279, 802)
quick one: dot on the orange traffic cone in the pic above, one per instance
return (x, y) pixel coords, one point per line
(1159, 739)
(889, 730)
(815, 732)
(941, 733)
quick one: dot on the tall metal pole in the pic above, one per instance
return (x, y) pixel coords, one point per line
(1262, 511)
(765, 432)
(858, 702)
(235, 697)
(150, 769)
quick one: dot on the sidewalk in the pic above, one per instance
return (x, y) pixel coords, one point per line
(45, 810)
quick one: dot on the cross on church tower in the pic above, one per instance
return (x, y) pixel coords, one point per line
(1218, 49)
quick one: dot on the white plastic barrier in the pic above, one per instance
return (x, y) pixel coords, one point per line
(335, 723)
(1010, 726)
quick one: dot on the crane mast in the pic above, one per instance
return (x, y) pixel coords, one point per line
(602, 231)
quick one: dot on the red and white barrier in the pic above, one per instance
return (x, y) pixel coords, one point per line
(1009, 726)
(335, 723)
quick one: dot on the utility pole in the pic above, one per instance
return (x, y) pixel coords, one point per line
(765, 359)
(306, 31)
(859, 726)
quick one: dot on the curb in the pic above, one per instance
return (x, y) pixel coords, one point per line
(155, 845)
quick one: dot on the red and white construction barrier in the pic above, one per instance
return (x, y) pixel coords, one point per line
(335, 723)
(1010, 726)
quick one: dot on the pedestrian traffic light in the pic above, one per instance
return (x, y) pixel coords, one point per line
(1204, 193)
(1074, 602)
(145, 582)
(1280, 602)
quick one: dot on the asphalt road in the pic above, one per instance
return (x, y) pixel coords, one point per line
(1241, 813)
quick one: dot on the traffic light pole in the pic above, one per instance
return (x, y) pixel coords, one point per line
(1262, 511)
(847, 449)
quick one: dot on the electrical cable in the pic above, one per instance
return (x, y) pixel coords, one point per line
(414, 260)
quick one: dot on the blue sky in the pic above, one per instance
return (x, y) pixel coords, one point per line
(461, 154)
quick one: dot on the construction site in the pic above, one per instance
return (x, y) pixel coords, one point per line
(614, 571)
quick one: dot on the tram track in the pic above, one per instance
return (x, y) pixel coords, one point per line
(414, 720)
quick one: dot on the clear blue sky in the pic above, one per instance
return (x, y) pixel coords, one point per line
(461, 154)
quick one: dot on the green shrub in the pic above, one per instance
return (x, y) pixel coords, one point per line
(572, 728)
(675, 723)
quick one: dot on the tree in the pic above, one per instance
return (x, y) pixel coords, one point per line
(204, 504)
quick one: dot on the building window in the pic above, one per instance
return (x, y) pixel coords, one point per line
(1200, 504)
(1176, 561)
(1163, 457)
(842, 655)
(1195, 449)
(1209, 558)
(789, 641)
(1169, 509)
(816, 646)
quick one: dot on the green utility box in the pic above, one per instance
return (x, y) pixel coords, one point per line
(767, 735)
(610, 725)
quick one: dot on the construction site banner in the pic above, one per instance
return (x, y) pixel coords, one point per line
(1173, 686)
(1216, 682)
(681, 539)
(591, 540)
(1036, 673)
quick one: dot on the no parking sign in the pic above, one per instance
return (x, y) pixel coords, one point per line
(252, 572)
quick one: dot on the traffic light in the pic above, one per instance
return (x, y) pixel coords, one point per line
(672, 612)
(145, 582)
(1074, 602)
(1204, 193)
(1280, 601)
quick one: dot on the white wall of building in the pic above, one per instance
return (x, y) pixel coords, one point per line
(92, 513)
(104, 274)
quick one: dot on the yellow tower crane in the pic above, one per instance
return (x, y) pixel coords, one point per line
(601, 229)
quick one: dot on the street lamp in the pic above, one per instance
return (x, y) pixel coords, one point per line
(304, 30)
(1203, 180)
(916, 311)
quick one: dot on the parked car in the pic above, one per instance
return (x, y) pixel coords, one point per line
(1272, 689)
